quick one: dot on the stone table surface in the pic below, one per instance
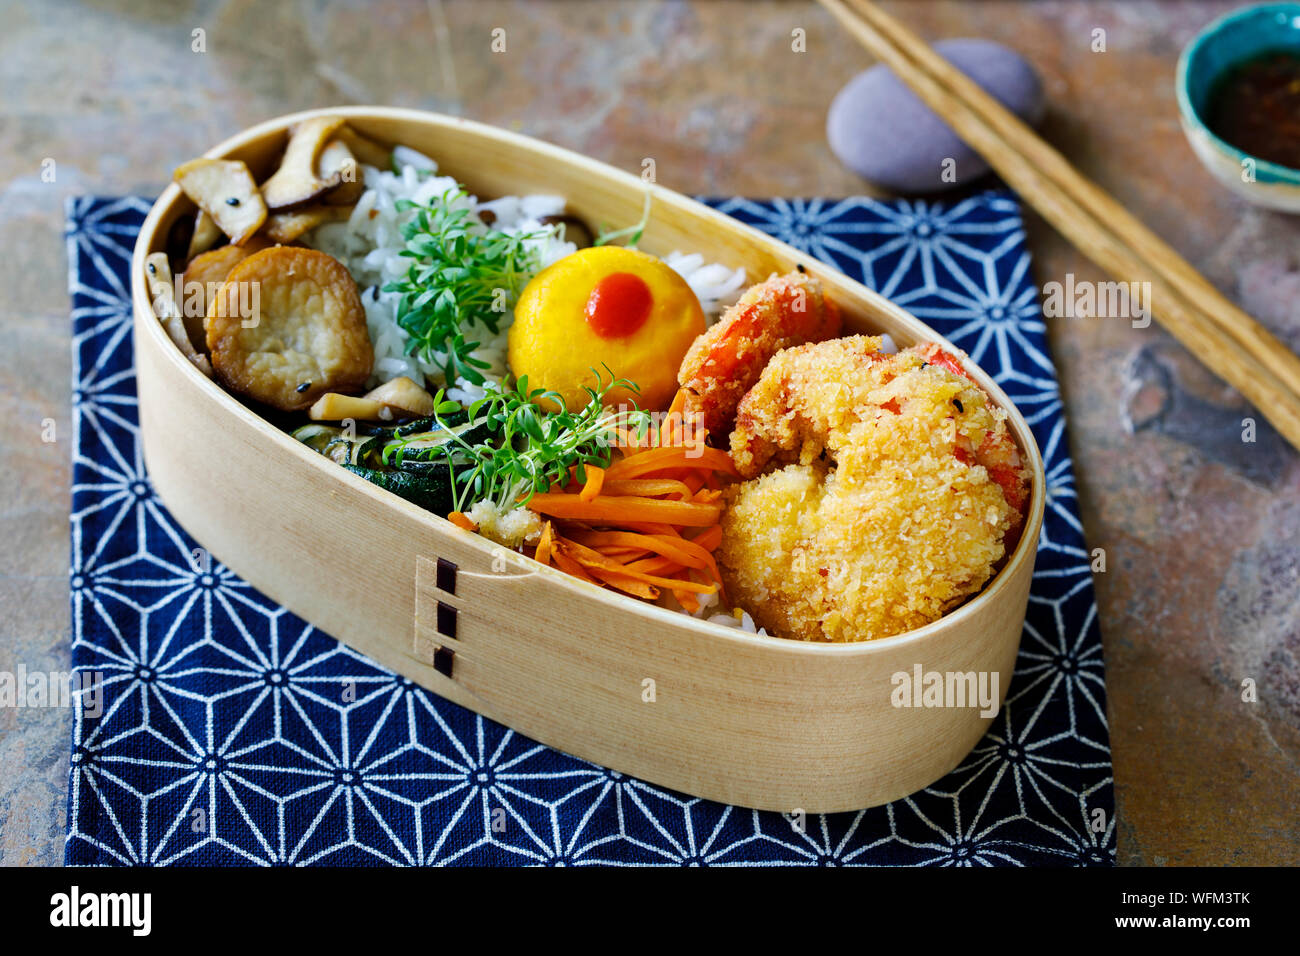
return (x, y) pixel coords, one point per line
(1201, 530)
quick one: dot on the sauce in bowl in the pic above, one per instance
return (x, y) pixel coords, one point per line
(1255, 107)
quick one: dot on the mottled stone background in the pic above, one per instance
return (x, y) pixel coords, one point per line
(1202, 532)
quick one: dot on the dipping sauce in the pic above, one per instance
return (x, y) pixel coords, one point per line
(1255, 107)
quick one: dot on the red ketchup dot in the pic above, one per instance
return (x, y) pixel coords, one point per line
(618, 305)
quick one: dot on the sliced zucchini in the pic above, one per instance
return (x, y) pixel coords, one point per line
(422, 437)
(425, 476)
(432, 491)
(336, 444)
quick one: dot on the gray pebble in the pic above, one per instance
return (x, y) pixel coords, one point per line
(879, 129)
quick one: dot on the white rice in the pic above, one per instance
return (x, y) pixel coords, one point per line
(711, 610)
(714, 285)
(370, 243)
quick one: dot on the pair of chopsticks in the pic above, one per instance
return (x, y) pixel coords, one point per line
(1223, 337)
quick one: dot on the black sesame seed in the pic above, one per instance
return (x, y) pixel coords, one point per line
(153, 269)
(801, 268)
(232, 201)
(957, 402)
(303, 387)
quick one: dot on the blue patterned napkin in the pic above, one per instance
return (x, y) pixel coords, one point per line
(222, 739)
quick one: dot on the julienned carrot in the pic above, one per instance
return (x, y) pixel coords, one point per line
(630, 443)
(661, 459)
(588, 557)
(595, 478)
(594, 560)
(570, 566)
(613, 550)
(650, 527)
(717, 576)
(617, 509)
(687, 600)
(462, 520)
(708, 541)
(647, 522)
(601, 568)
(678, 405)
(668, 431)
(625, 583)
(673, 584)
(680, 550)
(656, 577)
(545, 543)
(654, 565)
(624, 555)
(700, 557)
(709, 538)
(650, 487)
(685, 553)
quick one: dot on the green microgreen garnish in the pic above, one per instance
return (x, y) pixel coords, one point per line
(535, 446)
(631, 233)
(462, 275)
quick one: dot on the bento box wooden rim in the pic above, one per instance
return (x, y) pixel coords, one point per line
(149, 240)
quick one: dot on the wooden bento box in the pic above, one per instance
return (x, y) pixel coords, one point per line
(756, 721)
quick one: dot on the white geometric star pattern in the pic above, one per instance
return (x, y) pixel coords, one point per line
(231, 732)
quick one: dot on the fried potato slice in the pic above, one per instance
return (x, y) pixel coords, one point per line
(201, 279)
(226, 191)
(158, 274)
(304, 335)
(297, 180)
(290, 225)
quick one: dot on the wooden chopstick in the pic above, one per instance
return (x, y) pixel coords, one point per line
(1246, 330)
(1183, 301)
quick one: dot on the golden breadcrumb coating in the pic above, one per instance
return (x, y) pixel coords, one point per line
(879, 516)
(728, 358)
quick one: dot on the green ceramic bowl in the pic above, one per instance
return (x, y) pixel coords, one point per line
(1235, 38)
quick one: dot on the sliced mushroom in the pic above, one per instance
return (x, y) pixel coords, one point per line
(179, 234)
(226, 191)
(297, 180)
(366, 150)
(206, 235)
(337, 161)
(333, 407)
(398, 398)
(286, 227)
(158, 274)
(403, 395)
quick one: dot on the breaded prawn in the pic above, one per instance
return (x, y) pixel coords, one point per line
(725, 361)
(871, 514)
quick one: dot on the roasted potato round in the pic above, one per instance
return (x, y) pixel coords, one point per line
(287, 327)
(206, 272)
